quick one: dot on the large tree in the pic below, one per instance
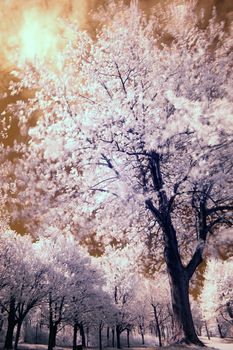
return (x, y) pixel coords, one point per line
(136, 136)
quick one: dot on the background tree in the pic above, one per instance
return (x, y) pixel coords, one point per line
(74, 286)
(25, 283)
(87, 302)
(216, 297)
(122, 286)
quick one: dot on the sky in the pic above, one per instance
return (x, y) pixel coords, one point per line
(39, 28)
(30, 28)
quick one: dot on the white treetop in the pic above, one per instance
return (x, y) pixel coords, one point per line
(114, 102)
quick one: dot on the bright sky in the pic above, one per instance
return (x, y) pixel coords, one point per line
(30, 28)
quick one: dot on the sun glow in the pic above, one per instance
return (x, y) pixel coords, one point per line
(32, 29)
(38, 36)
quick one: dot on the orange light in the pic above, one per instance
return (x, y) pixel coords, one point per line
(38, 36)
(32, 29)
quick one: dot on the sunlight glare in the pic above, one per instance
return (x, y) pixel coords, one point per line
(38, 35)
(32, 29)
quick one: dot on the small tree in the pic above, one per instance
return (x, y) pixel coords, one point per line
(122, 286)
(56, 254)
(216, 297)
(73, 282)
(84, 306)
(25, 283)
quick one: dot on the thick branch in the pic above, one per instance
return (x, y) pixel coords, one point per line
(175, 190)
(109, 164)
(154, 211)
(196, 259)
(154, 163)
(219, 208)
(220, 220)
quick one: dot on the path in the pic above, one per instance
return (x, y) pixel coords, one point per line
(218, 343)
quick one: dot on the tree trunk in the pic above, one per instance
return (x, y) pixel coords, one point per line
(1, 324)
(179, 276)
(87, 337)
(82, 334)
(157, 325)
(100, 337)
(36, 338)
(219, 329)
(52, 336)
(128, 343)
(163, 331)
(10, 326)
(113, 337)
(207, 331)
(17, 336)
(184, 330)
(167, 334)
(143, 339)
(75, 332)
(118, 337)
(26, 335)
(108, 336)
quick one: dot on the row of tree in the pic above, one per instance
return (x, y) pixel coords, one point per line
(54, 274)
(55, 283)
(58, 281)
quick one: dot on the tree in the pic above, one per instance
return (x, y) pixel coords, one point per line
(123, 284)
(141, 319)
(225, 290)
(135, 130)
(102, 315)
(216, 297)
(55, 252)
(85, 303)
(156, 293)
(25, 284)
(73, 284)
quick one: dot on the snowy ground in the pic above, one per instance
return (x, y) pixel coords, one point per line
(180, 347)
(220, 344)
(213, 344)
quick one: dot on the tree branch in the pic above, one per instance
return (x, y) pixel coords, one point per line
(154, 211)
(196, 259)
(219, 220)
(155, 171)
(109, 164)
(219, 208)
(121, 79)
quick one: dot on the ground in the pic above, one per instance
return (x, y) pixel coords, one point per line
(218, 343)
(213, 344)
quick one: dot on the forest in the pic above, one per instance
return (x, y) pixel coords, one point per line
(116, 187)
